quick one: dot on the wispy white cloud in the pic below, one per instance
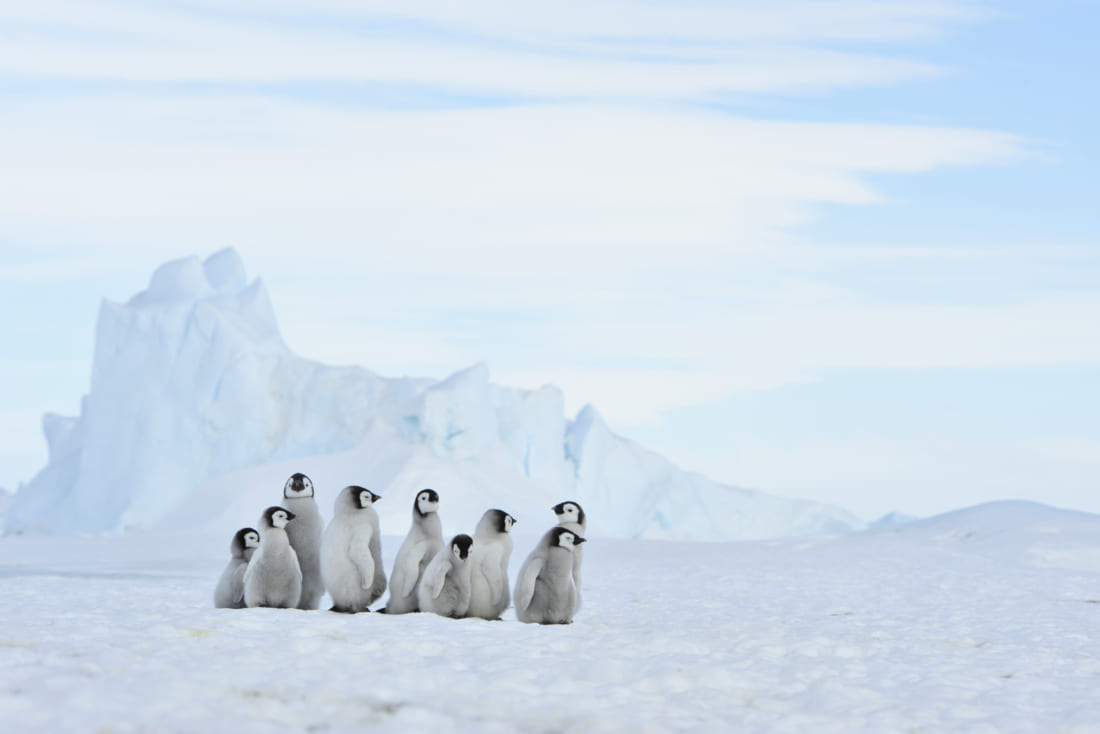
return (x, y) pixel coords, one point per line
(467, 69)
(781, 21)
(624, 50)
(510, 179)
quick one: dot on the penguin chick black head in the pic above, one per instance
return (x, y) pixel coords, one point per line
(353, 497)
(460, 546)
(242, 539)
(427, 500)
(564, 538)
(277, 517)
(495, 521)
(569, 511)
(299, 485)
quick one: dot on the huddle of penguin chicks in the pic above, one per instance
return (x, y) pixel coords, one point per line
(292, 560)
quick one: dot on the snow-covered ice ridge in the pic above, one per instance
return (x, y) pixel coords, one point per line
(192, 385)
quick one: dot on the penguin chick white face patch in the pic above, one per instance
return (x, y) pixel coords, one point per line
(366, 499)
(425, 504)
(299, 485)
(509, 521)
(570, 512)
(251, 540)
(566, 540)
(279, 519)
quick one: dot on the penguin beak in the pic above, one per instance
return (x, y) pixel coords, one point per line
(290, 515)
(376, 497)
(578, 541)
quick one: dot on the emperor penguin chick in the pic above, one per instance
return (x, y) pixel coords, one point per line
(545, 592)
(229, 593)
(305, 537)
(445, 587)
(351, 555)
(489, 592)
(570, 515)
(273, 577)
(424, 540)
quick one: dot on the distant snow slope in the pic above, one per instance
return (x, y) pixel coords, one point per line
(191, 382)
(1029, 533)
(980, 621)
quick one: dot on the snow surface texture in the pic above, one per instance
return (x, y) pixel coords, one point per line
(191, 381)
(984, 620)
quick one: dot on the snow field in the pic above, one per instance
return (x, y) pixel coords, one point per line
(924, 629)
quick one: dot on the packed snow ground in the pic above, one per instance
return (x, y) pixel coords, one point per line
(985, 620)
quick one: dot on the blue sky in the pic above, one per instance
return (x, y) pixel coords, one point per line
(838, 250)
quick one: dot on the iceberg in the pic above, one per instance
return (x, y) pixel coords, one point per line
(193, 388)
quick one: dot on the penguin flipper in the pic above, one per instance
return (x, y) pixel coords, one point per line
(525, 584)
(360, 555)
(438, 577)
(411, 568)
(490, 571)
(239, 584)
(248, 572)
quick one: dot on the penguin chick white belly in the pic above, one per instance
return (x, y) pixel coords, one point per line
(273, 577)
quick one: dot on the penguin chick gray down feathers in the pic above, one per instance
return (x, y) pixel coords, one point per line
(570, 515)
(545, 592)
(424, 540)
(273, 577)
(305, 536)
(492, 549)
(229, 594)
(445, 587)
(350, 565)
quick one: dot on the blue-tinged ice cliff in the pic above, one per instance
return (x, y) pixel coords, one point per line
(191, 381)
